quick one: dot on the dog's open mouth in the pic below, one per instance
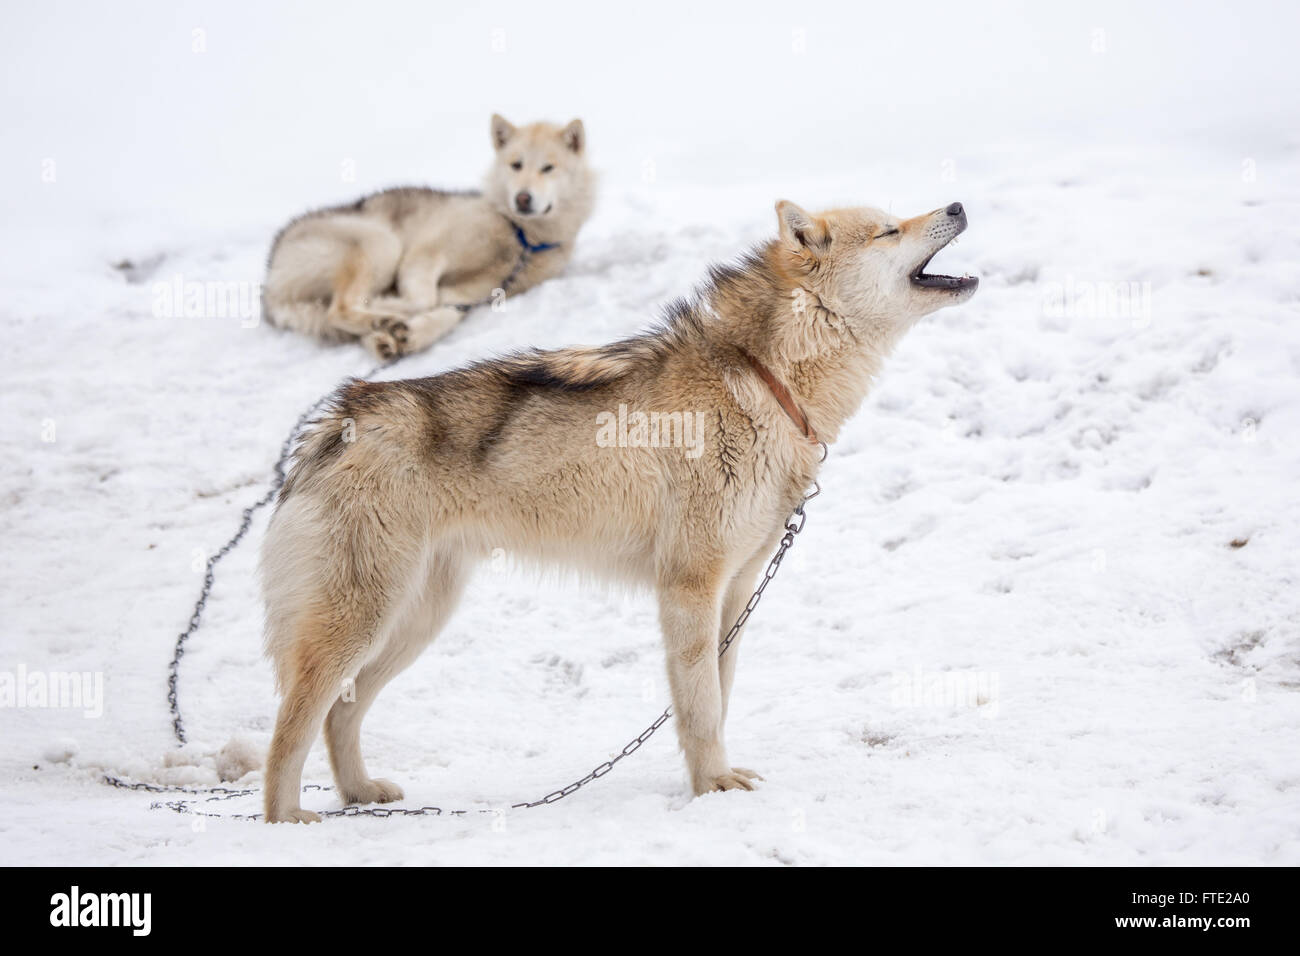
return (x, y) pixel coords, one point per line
(928, 280)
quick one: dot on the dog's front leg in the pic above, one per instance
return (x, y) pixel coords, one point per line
(688, 613)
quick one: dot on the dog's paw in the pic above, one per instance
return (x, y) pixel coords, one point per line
(374, 791)
(296, 815)
(394, 326)
(381, 345)
(738, 778)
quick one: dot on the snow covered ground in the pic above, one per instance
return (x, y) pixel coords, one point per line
(1046, 608)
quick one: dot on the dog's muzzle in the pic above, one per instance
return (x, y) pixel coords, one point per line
(943, 228)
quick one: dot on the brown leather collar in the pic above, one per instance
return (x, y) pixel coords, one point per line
(782, 395)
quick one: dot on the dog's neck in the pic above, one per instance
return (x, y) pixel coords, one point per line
(826, 362)
(783, 398)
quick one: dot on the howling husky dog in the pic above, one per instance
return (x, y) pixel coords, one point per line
(398, 269)
(401, 487)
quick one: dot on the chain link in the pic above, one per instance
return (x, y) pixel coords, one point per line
(794, 524)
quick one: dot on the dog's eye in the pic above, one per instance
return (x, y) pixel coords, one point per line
(889, 232)
(516, 165)
(547, 168)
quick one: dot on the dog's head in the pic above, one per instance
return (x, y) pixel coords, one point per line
(866, 264)
(538, 167)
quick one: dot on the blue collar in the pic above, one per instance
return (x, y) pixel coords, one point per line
(539, 247)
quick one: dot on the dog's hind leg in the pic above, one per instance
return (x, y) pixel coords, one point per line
(314, 674)
(365, 269)
(324, 272)
(334, 593)
(419, 626)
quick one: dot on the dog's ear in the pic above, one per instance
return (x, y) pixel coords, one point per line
(801, 229)
(574, 136)
(502, 130)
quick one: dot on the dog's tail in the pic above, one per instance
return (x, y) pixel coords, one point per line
(298, 533)
(327, 437)
(327, 537)
(322, 440)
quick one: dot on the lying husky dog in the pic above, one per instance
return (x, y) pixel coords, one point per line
(398, 269)
(401, 487)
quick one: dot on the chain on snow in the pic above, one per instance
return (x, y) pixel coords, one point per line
(794, 524)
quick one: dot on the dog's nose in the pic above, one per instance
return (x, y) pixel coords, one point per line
(955, 209)
(524, 202)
